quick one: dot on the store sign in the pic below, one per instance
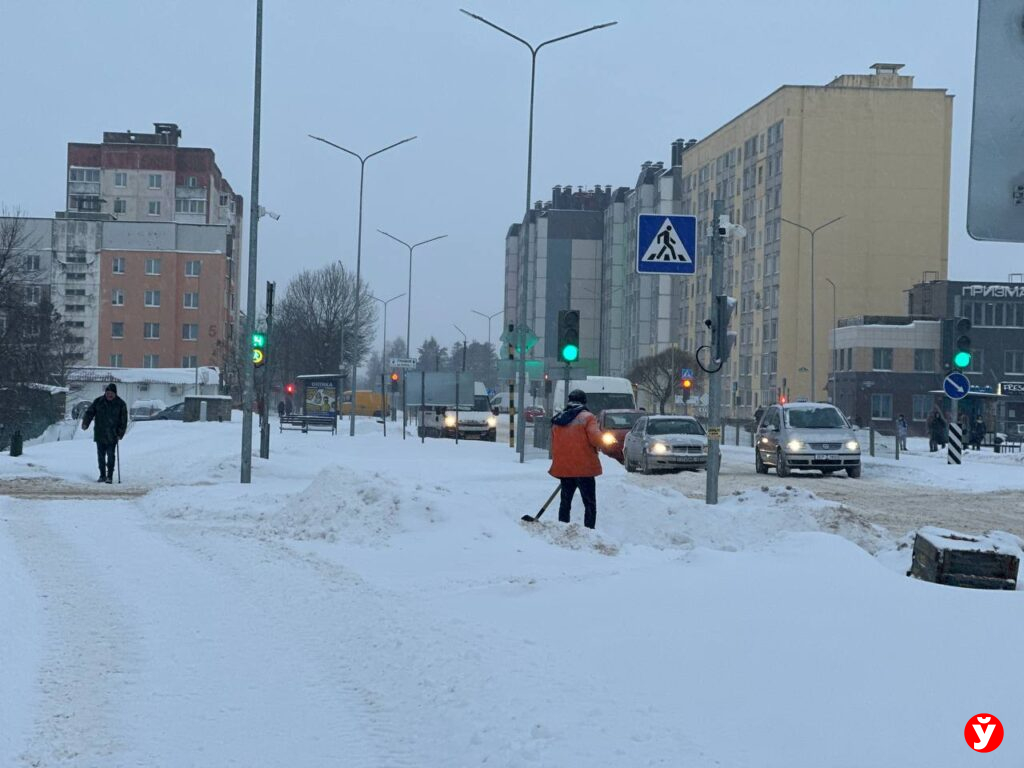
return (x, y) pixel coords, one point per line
(1010, 291)
(1015, 388)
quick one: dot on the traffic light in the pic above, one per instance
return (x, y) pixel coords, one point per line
(394, 381)
(782, 399)
(289, 389)
(724, 338)
(687, 384)
(962, 352)
(259, 346)
(568, 335)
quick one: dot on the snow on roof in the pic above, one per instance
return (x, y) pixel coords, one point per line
(207, 375)
(48, 388)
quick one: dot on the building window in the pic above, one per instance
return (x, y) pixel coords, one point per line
(116, 360)
(74, 307)
(154, 208)
(117, 297)
(120, 205)
(977, 361)
(924, 360)
(120, 179)
(881, 359)
(191, 182)
(118, 263)
(189, 206)
(33, 294)
(151, 361)
(33, 262)
(192, 268)
(223, 199)
(117, 330)
(881, 406)
(152, 298)
(151, 331)
(156, 181)
(1014, 361)
(190, 361)
(190, 332)
(152, 266)
(192, 300)
(84, 174)
(922, 407)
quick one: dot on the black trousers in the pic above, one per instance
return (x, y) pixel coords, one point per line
(588, 492)
(105, 454)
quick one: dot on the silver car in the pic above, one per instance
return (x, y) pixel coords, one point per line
(665, 442)
(806, 436)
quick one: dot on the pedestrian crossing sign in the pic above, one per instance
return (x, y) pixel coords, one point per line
(666, 245)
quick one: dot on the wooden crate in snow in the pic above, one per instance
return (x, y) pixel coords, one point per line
(959, 560)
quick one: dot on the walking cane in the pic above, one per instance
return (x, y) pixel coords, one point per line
(117, 457)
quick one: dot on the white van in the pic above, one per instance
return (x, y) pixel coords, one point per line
(603, 393)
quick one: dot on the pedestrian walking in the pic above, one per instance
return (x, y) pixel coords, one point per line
(575, 442)
(280, 409)
(901, 431)
(978, 433)
(936, 430)
(110, 415)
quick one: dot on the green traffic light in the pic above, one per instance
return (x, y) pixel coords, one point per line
(259, 340)
(962, 359)
(570, 352)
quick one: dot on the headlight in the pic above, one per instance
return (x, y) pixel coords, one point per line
(492, 422)
(449, 420)
(853, 445)
(794, 446)
(658, 448)
(704, 448)
(764, 439)
(608, 438)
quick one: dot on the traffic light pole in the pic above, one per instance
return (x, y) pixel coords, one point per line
(714, 377)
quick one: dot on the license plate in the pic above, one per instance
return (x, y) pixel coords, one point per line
(828, 457)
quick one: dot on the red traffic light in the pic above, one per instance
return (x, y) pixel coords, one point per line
(289, 389)
(394, 375)
(782, 399)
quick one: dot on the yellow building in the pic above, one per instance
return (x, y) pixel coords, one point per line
(871, 149)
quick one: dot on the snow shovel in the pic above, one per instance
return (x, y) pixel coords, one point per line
(535, 518)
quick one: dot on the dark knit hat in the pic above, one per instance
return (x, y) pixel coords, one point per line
(578, 396)
(111, 387)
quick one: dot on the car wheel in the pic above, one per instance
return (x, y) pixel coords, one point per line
(759, 466)
(853, 472)
(645, 468)
(781, 467)
(630, 467)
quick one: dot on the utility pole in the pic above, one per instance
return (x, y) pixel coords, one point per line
(714, 378)
(249, 385)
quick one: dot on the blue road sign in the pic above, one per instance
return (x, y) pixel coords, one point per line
(666, 245)
(956, 385)
(687, 373)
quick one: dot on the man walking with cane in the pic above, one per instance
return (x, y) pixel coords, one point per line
(110, 414)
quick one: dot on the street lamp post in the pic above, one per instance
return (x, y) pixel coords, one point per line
(359, 261)
(489, 318)
(813, 232)
(524, 265)
(832, 361)
(408, 312)
(384, 352)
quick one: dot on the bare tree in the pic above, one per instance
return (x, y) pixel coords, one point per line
(659, 375)
(314, 328)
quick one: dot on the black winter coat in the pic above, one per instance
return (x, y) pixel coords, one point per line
(111, 417)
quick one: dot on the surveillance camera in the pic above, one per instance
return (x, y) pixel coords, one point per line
(274, 216)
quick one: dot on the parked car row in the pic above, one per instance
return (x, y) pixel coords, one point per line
(794, 436)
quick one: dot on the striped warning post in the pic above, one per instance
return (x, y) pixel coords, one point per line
(955, 447)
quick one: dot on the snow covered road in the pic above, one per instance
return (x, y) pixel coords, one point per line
(376, 603)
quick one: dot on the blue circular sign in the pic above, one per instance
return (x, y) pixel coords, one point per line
(956, 385)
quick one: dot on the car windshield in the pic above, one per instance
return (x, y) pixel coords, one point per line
(673, 427)
(607, 401)
(815, 418)
(481, 403)
(620, 420)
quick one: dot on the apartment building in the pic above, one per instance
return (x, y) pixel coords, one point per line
(868, 152)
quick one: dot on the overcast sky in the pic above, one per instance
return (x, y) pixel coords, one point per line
(366, 74)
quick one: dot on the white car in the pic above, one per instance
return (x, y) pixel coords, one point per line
(665, 442)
